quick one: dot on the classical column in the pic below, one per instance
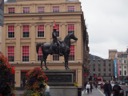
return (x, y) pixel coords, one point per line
(33, 44)
(18, 43)
(48, 35)
(17, 78)
(3, 38)
(79, 43)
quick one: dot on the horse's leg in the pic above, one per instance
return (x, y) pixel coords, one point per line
(41, 63)
(66, 62)
(45, 58)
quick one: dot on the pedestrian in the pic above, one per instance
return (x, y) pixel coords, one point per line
(96, 84)
(116, 89)
(91, 86)
(47, 90)
(88, 87)
(107, 88)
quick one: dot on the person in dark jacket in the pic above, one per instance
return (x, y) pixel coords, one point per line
(116, 89)
(107, 88)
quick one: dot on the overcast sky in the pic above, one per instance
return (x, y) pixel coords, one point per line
(107, 25)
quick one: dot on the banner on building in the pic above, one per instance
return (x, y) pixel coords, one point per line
(1, 12)
(115, 68)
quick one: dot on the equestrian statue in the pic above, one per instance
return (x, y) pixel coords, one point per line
(62, 48)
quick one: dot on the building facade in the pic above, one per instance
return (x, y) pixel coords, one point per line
(28, 22)
(102, 68)
(121, 62)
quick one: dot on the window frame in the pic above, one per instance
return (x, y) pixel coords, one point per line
(72, 53)
(26, 9)
(71, 28)
(11, 33)
(25, 54)
(40, 31)
(55, 9)
(26, 31)
(11, 10)
(11, 53)
(71, 8)
(40, 54)
(40, 9)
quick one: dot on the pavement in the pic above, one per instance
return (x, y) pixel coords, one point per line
(95, 92)
(99, 92)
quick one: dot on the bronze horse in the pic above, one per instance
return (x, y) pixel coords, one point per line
(64, 45)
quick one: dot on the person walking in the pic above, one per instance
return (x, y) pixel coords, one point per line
(107, 88)
(88, 87)
(47, 90)
(116, 89)
(91, 86)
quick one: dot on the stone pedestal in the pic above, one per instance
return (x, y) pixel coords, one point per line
(62, 82)
(61, 77)
(63, 91)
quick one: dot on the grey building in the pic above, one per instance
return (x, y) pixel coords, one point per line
(100, 67)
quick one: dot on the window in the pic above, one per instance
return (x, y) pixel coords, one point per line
(125, 61)
(104, 69)
(70, 28)
(98, 65)
(11, 10)
(94, 69)
(26, 10)
(55, 8)
(11, 31)
(11, 53)
(72, 53)
(25, 53)
(120, 72)
(25, 30)
(57, 30)
(125, 72)
(40, 30)
(99, 70)
(70, 8)
(40, 54)
(55, 57)
(40, 9)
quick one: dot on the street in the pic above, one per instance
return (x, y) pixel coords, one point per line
(99, 92)
(95, 92)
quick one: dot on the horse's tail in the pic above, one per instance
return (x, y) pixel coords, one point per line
(38, 45)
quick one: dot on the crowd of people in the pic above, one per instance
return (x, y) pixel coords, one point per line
(112, 88)
(107, 87)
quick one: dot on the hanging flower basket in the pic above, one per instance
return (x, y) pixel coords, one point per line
(6, 77)
(36, 81)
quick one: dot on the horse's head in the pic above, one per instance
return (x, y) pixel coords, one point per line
(72, 36)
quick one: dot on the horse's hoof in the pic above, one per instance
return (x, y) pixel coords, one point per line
(67, 68)
(47, 69)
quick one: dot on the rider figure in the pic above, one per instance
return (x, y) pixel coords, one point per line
(55, 40)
